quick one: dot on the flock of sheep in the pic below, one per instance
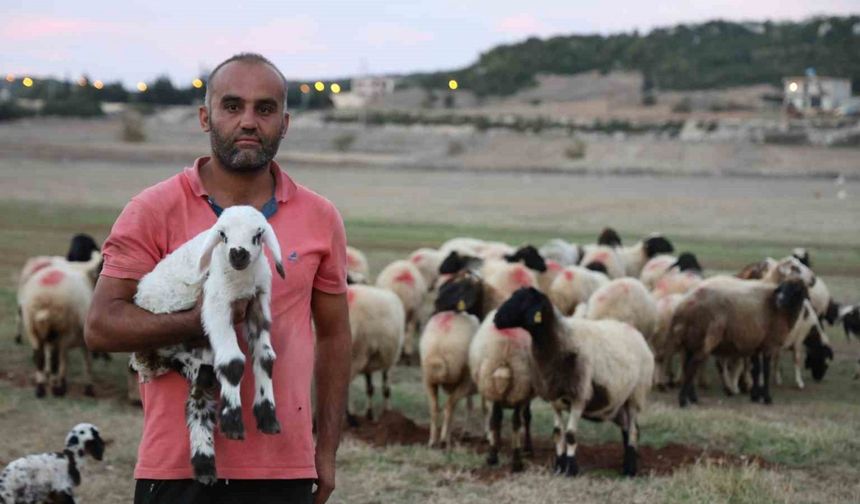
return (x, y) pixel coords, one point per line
(590, 329)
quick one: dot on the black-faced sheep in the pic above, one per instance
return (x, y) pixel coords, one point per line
(733, 318)
(51, 477)
(222, 264)
(599, 370)
(377, 323)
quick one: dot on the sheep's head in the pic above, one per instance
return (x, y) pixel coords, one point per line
(818, 353)
(789, 295)
(654, 245)
(81, 248)
(529, 309)
(597, 266)
(609, 237)
(832, 313)
(851, 321)
(84, 439)
(462, 293)
(456, 262)
(802, 255)
(791, 267)
(242, 230)
(687, 261)
(530, 257)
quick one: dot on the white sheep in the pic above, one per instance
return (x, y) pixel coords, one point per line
(599, 370)
(655, 268)
(635, 257)
(54, 302)
(406, 280)
(377, 323)
(625, 300)
(605, 259)
(574, 286)
(226, 264)
(427, 260)
(662, 343)
(562, 252)
(356, 265)
(51, 477)
(500, 365)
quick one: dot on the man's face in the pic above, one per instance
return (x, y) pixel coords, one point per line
(246, 119)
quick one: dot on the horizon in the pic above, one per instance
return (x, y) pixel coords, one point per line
(113, 43)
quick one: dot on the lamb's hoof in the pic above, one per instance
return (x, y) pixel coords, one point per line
(572, 468)
(89, 390)
(443, 445)
(755, 394)
(352, 420)
(231, 423)
(682, 400)
(41, 390)
(204, 468)
(560, 464)
(767, 399)
(432, 444)
(528, 451)
(517, 465)
(630, 462)
(59, 390)
(492, 459)
(267, 422)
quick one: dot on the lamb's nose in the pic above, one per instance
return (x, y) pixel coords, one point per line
(239, 258)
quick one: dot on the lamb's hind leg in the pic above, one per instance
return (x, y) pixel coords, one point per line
(200, 418)
(229, 363)
(260, 343)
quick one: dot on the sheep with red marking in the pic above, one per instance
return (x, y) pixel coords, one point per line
(562, 252)
(407, 282)
(625, 300)
(357, 266)
(445, 349)
(605, 259)
(680, 278)
(574, 286)
(377, 323)
(427, 260)
(599, 370)
(54, 304)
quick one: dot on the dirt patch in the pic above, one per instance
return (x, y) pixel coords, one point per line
(105, 388)
(393, 428)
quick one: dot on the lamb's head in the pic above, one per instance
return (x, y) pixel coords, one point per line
(789, 296)
(687, 261)
(456, 262)
(242, 230)
(818, 353)
(529, 309)
(802, 255)
(462, 293)
(530, 256)
(609, 237)
(791, 267)
(84, 439)
(657, 244)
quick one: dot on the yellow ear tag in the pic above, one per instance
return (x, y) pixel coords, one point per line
(538, 318)
(461, 305)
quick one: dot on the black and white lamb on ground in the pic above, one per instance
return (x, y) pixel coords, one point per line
(51, 477)
(225, 263)
(596, 369)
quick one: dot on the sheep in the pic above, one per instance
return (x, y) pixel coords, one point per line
(356, 265)
(574, 286)
(225, 263)
(377, 323)
(54, 302)
(51, 477)
(500, 367)
(463, 246)
(545, 269)
(427, 261)
(445, 349)
(562, 252)
(682, 277)
(405, 280)
(662, 343)
(850, 317)
(605, 259)
(600, 370)
(625, 300)
(794, 266)
(501, 278)
(636, 256)
(730, 317)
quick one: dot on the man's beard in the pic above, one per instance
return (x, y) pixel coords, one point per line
(243, 160)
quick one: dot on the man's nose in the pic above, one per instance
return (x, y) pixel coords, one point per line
(249, 119)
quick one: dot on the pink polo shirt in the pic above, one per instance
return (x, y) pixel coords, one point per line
(313, 244)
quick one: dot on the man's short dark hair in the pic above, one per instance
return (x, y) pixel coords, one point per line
(245, 57)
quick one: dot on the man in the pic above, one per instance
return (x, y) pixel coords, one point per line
(245, 116)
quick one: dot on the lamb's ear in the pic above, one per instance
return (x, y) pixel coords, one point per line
(212, 240)
(271, 241)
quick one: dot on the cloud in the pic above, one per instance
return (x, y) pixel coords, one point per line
(382, 34)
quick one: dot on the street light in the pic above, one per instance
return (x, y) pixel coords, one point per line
(304, 88)
(141, 86)
(792, 87)
(10, 77)
(452, 84)
(197, 83)
(27, 82)
(335, 88)
(82, 81)
(98, 84)
(319, 86)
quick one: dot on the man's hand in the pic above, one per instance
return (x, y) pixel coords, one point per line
(325, 478)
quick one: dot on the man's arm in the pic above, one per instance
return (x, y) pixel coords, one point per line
(116, 324)
(331, 372)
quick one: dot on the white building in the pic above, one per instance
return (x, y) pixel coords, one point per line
(364, 91)
(816, 94)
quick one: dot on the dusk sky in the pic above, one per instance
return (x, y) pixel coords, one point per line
(134, 40)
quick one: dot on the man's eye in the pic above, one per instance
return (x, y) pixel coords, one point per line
(232, 107)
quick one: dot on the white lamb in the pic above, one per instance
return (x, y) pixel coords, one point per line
(226, 264)
(51, 477)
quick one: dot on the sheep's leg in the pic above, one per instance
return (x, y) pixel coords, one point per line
(229, 364)
(517, 439)
(528, 448)
(450, 405)
(575, 412)
(687, 394)
(798, 367)
(368, 381)
(776, 374)
(386, 392)
(89, 389)
(495, 433)
(263, 357)
(558, 422)
(756, 390)
(766, 365)
(433, 403)
(745, 379)
(19, 334)
(58, 370)
(626, 419)
(200, 411)
(41, 365)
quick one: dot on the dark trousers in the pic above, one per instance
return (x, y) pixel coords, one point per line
(223, 492)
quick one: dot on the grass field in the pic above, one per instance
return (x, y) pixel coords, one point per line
(808, 439)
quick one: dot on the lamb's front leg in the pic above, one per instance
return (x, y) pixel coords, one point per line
(229, 363)
(200, 418)
(263, 356)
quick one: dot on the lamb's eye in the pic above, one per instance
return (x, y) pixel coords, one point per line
(223, 236)
(257, 238)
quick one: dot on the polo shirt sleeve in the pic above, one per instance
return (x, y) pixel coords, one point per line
(134, 245)
(331, 273)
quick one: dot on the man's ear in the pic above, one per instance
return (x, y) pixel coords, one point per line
(203, 115)
(286, 124)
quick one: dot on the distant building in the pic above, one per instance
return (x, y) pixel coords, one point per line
(811, 93)
(364, 91)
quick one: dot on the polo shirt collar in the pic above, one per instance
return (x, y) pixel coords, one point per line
(285, 188)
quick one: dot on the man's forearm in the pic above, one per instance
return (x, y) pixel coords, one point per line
(124, 327)
(332, 380)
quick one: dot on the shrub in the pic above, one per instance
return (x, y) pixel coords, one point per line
(343, 142)
(576, 150)
(132, 126)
